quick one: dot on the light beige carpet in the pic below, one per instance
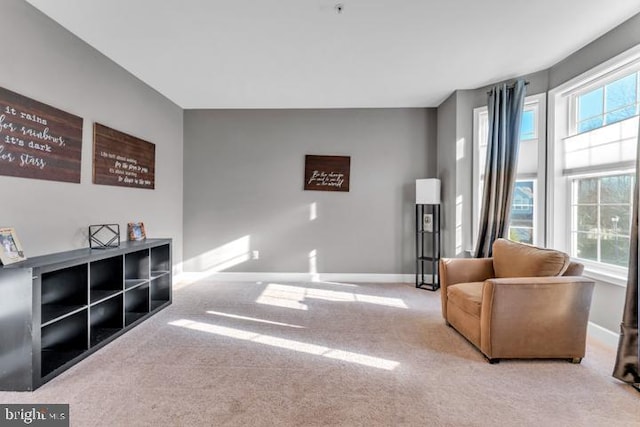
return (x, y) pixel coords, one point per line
(298, 354)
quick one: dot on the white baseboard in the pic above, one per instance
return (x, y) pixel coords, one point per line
(191, 277)
(603, 335)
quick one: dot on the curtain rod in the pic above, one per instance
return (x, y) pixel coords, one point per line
(510, 86)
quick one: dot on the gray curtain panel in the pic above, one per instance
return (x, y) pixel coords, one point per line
(626, 367)
(505, 113)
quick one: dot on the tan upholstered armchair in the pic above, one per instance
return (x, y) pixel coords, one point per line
(525, 302)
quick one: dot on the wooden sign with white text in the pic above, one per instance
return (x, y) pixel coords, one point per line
(122, 160)
(38, 141)
(327, 173)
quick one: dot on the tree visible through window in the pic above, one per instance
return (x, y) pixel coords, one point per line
(601, 211)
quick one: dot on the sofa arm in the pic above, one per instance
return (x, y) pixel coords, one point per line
(462, 270)
(535, 317)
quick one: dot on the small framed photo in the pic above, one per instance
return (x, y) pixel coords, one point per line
(10, 247)
(136, 231)
(427, 222)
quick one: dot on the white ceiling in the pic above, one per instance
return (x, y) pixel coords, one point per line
(304, 54)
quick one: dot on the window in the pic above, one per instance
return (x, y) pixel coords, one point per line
(528, 128)
(522, 220)
(601, 218)
(527, 207)
(608, 103)
(593, 166)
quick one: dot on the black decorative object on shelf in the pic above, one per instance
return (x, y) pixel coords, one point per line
(103, 236)
(427, 233)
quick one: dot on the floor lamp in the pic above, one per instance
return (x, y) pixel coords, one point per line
(427, 225)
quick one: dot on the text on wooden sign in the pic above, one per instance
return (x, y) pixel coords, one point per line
(37, 140)
(121, 159)
(327, 173)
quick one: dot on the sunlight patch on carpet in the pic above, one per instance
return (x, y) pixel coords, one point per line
(291, 296)
(253, 319)
(282, 296)
(302, 347)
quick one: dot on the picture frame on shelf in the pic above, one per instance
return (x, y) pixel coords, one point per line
(136, 231)
(10, 247)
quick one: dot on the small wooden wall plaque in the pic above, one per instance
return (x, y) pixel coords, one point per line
(37, 140)
(327, 173)
(122, 160)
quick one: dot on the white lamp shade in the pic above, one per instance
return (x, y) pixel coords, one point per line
(428, 191)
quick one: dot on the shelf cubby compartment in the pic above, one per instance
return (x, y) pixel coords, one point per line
(160, 261)
(63, 292)
(136, 304)
(136, 268)
(63, 341)
(106, 319)
(160, 291)
(105, 279)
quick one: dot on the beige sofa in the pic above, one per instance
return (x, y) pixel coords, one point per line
(525, 302)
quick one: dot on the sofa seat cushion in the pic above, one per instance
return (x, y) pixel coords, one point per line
(512, 259)
(466, 296)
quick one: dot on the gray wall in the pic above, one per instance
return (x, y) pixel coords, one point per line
(243, 189)
(447, 171)
(621, 38)
(42, 60)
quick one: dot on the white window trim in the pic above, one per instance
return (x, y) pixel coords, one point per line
(604, 274)
(558, 124)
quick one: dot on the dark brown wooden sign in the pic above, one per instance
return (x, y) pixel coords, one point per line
(122, 160)
(37, 140)
(327, 173)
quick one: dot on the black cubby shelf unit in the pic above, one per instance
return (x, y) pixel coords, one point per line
(57, 309)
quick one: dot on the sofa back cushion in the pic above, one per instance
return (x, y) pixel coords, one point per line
(511, 259)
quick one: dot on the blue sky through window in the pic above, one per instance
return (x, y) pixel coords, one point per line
(608, 104)
(527, 126)
(590, 109)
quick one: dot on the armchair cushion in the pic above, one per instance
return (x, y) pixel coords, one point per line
(511, 259)
(467, 297)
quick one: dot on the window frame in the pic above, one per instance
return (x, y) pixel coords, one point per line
(600, 82)
(562, 123)
(594, 264)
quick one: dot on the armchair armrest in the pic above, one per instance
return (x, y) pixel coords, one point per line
(535, 317)
(462, 270)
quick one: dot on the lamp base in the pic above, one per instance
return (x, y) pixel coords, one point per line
(428, 286)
